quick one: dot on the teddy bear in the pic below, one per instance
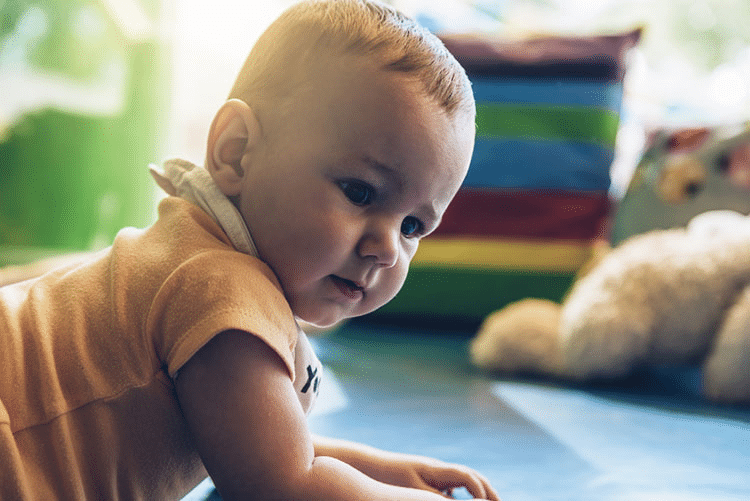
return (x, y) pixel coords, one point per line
(673, 294)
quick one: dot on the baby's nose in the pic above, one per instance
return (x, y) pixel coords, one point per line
(381, 244)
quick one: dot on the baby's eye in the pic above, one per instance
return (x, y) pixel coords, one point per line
(357, 192)
(411, 226)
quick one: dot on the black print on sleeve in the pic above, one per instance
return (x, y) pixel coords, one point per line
(312, 380)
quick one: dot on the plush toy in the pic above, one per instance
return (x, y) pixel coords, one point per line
(675, 289)
(671, 296)
(683, 173)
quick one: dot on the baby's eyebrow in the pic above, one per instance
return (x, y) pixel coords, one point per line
(429, 211)
(385, 170)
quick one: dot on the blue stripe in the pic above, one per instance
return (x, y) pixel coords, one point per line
(528, 164)
(560, 92)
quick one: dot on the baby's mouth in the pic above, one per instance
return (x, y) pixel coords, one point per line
(348, 288)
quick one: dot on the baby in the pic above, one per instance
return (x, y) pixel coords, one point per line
(176, 352)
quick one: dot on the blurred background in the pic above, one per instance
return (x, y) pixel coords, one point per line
(692, 65)
(92, 91)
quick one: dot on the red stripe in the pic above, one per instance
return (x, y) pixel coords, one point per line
(526, 214)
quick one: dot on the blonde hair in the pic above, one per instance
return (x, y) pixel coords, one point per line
(309, 29)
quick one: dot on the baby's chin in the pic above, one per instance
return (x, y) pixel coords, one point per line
(319, 328)
(318, 320)
(323, 321)
(327, 315)
(314, 330)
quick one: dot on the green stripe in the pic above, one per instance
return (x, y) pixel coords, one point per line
(579, 123)
(467, 294)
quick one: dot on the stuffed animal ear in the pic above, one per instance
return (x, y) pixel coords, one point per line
(234, 133)
(688, 139)
(738, 165)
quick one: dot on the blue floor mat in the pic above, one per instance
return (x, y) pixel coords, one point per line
(648, 437)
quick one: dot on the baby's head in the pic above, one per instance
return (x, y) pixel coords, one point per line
(347, 134)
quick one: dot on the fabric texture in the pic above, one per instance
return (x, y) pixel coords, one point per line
(185, 180)
(87, 404)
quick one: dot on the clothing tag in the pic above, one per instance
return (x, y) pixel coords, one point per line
(183, 179)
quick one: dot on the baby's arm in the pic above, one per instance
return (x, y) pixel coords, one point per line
(406, 470)
(251, 431)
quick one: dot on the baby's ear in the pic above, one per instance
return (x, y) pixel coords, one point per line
(234, 131)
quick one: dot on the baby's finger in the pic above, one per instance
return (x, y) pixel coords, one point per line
(478, 486)
(461, 476)
(491, 493)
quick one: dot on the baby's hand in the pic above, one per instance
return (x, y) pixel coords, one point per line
(407, 470)
(433, 475)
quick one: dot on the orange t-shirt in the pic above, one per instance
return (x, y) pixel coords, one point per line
(87, 355)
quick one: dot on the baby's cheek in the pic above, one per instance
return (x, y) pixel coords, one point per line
(324, 240)
(396, 279)
(389, 283)
(337, 229)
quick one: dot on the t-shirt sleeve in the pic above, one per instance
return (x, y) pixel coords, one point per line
(213, 292)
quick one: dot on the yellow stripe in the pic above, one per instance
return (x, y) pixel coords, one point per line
(536, 255)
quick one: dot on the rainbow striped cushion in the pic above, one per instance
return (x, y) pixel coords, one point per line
(536, 195)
